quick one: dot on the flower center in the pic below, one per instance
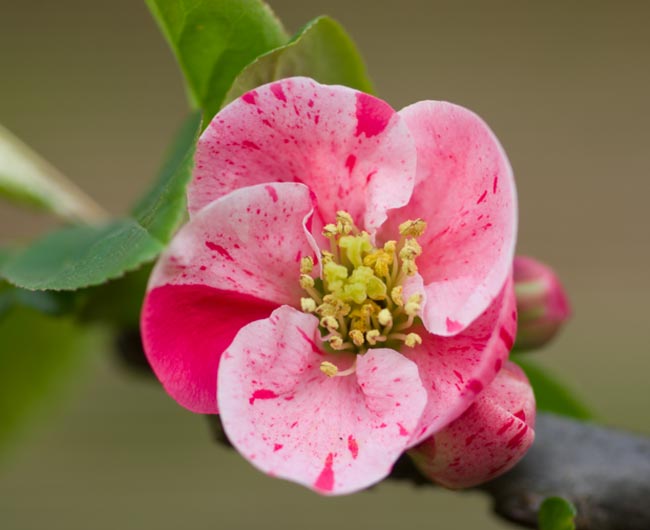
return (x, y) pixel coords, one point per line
(359, 298)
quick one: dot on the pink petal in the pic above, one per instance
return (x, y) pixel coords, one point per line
(488, 439)
(249, 242)
(333, 435)
(185, 328)
(465, 191)
(455, 370)
(232, 264)
(351, 149)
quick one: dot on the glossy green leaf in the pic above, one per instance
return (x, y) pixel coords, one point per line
(37, 353)
(322, 50)
(550, 394)
(213, 40)
(27, 179)
(162, 209)
(82, 256)
(556, 513)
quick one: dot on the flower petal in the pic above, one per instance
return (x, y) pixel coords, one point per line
(231, 264)
(465, 192)
(488, 439)
(351, 149)
(334, 435)
(249, 242)
(454, 370)
(184, 330)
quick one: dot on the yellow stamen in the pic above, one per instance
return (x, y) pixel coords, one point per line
(329, 369)
(308, 305)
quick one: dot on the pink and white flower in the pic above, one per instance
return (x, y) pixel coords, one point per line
(291, 303)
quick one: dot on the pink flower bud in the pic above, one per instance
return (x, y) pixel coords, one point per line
(491, 436)
(542, 304)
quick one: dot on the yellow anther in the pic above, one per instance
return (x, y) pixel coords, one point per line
(326, 257)
(306, 281)
(308, 305)
(412, 339)
(390, 246)
(414, 228)
(357, 337)
(336, 342)
(306, 265)
(344, 222)
(329, 322)
(373, 336)
(329, 369)
(396, 295)
(410, 250)
(330, 230)
(409, 267)
(385, 317)
(413, 305)
(380, 260)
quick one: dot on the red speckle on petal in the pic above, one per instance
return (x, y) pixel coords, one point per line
(350, 162)
(219, 249)
(353, 447)
(370, 175)
(453, 326)
(506, 426)
(250, 145)
(521, 415)
(373, 115)
(402, 430)
(271, 191)
(517, 438)
(325, 481)
(262, 394)
(313, 345)
(277, 447)
(249, 97)
(482, 197)
(506, 338)
(298, 256)
(474, 385)
(497, 365)
(276, 89)
(459, 375)
(494, 184)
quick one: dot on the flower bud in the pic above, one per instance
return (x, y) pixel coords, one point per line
(542, 304)
(490, 437)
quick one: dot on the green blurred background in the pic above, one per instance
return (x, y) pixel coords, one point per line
(92, 86)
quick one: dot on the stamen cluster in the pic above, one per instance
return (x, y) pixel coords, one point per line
(359, 297)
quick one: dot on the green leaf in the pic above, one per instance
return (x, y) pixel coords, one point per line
(550, 394)
(82, 256)
(321, 50)
(213, 40)
(556, 513)
(27, 179)
(36, 353)
(48, 302)
(162, 209)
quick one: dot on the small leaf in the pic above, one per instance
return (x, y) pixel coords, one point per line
(162, 209)
(550, 394)
(27, 179)
(322, 50)
(82, 256)
(556, 513)
(213, 40)
(36, 353)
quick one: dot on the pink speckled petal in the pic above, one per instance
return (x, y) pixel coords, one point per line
(232, 264)
(454, 370)
(249, 241)
(334, 435)
(465, 191)
(351, 149)
(488, 439)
